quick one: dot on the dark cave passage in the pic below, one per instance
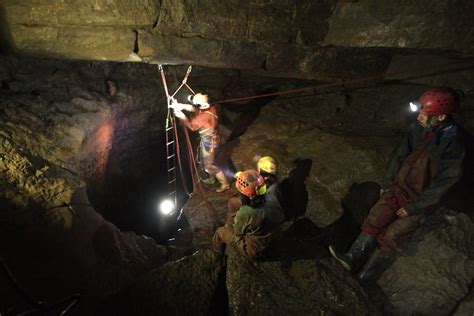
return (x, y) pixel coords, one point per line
(135, 181)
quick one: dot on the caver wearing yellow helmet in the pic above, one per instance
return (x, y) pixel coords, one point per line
(268, 169)
(267, 164)
(253, 227)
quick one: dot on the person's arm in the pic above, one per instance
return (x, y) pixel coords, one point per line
(183, 106)
(449, 172)
(175, 105)
(241, 221)
(401, 154)
(239, 226)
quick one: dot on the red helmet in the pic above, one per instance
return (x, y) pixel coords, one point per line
(437, 101)
(250, 183)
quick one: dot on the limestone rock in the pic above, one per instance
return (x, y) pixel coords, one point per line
(438, 274)
(180, 287)
(300, 287)
(324, 40)
(466, 306)
(403, 24)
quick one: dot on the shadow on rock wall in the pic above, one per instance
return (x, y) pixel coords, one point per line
(460, 196)
(293, 189)
(6, 40)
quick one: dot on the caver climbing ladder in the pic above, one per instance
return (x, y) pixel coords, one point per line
(172, 144)
(173, 151)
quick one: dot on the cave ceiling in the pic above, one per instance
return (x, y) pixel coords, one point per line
(321, 40)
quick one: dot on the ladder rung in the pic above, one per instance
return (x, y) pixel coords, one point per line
(172, 193)
(171, 142)
(171, 156)
(168, 128)
(171, 169)
(174, 180)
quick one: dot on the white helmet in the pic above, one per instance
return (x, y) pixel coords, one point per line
(201, 100)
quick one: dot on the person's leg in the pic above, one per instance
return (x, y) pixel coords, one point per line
(357, 253)
(220, 176)
(233, 206)
(212, 169)
(398, 234)
(377, 263)
(392, 243)
(222, 236)
(380, 216)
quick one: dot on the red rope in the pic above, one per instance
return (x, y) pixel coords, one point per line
(341, 83)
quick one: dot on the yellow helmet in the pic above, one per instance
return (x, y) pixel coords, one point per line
(267, 164)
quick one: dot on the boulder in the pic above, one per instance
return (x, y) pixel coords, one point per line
(438, 274)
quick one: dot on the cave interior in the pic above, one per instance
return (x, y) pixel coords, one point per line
(322, 86)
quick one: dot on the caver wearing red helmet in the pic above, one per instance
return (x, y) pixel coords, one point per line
(426, 165)
(250, 183)
(437, 101)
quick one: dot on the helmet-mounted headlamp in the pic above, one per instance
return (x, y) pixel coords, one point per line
(415, 106)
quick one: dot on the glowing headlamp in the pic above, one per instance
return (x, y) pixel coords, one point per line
(167, 207)
(415, 106)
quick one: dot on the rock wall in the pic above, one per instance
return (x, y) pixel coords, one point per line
(59, 123)
(310, 40)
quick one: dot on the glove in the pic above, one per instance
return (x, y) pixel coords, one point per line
(179, 114)
(173, 103)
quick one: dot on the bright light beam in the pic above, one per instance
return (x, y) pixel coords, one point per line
(166, 207)
(414, 107)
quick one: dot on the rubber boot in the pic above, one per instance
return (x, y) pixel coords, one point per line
(377, 263)
(220, 176)
(355, 257)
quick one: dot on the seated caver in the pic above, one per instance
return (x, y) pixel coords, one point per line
(267, 168)
(253, 226)
(426, 165)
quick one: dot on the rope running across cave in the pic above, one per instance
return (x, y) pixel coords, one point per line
(460, 66)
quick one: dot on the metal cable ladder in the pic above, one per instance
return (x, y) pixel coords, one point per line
(171, 158)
